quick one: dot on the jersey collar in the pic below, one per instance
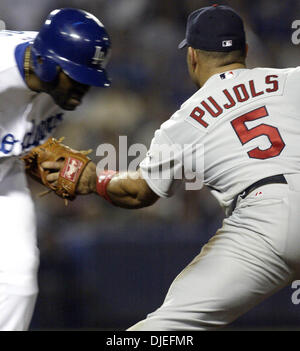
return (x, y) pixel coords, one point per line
(19, 56)
(219, 77)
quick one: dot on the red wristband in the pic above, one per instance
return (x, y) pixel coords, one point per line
(102, 182)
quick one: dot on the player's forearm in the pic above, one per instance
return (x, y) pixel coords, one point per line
(129, 190)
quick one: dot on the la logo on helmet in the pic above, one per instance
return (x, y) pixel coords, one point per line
(99, 56)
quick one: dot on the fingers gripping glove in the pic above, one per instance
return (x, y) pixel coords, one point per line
(74, 162)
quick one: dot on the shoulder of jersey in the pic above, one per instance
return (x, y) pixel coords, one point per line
(8, 41)
(269, 70)
(181, 113)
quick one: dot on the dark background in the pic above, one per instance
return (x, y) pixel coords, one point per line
(104, 268)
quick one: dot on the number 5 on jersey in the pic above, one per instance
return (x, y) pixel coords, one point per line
(245, 134)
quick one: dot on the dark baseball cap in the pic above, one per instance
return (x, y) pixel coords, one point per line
(214, 28)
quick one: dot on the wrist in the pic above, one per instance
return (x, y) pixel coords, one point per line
(102, 182)
(93, 183)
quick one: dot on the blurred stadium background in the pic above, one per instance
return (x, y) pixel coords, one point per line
(105, 268)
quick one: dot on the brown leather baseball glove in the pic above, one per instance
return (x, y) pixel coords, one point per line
(73, 164)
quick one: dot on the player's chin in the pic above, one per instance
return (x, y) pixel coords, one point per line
(68, 108)
(70, 105)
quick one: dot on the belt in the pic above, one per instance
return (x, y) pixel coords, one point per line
(279, 178)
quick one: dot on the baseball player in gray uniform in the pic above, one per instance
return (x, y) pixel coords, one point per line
(248, 122)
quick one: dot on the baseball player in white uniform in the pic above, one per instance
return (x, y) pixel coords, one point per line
(248, 124)
(40, 76)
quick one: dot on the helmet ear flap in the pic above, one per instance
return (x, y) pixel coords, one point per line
(44, 67)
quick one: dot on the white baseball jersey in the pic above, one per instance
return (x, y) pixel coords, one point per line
(27, 118)
(248, 124)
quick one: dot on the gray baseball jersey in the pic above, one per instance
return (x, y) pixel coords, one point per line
(248, 123)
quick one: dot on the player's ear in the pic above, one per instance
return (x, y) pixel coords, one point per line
(192, 57)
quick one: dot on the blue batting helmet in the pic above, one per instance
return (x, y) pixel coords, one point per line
(76, 41)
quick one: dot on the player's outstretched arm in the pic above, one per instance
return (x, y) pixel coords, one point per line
(123, 189)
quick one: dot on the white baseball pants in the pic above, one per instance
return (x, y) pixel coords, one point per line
(19, 256)
(253, 255)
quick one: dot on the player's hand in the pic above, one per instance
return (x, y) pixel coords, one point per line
(87, 180)
(54, 169)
